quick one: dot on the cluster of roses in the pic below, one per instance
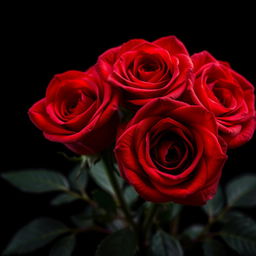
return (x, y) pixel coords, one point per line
(185, 112)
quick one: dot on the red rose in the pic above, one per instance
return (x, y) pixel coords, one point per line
(79, 110)
(170, 151)
(144, 70)
(228, 95)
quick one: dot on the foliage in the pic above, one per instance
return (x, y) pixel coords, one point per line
(142, 227)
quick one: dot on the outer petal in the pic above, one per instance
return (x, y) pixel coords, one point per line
(163, 105)
(244, 136)
(202, 196)
(57, 80)
(130, 45)
(172, 44)
(106, 61)
(96, 140)
(41, 120)
(202, 58)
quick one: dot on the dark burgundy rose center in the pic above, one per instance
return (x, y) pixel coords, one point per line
(222, 96)
(222, 91)
(72, 103)
(226, 94)
(149, 67)
(171, 153)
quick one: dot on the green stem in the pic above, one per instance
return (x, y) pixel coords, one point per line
(150, 217)
(222, 214)
(83, 197)
(140, 231)
(119, 194)
(175, 225)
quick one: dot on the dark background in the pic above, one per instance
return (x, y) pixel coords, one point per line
(34, 55)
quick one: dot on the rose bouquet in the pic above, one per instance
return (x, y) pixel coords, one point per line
(151, 126)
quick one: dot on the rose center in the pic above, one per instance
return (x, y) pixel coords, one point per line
(170, 153)
(149, 67)
(173, 154)
(76, 104)
(223, 96)
(72, 104)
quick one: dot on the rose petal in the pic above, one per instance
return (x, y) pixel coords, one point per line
(172, 44)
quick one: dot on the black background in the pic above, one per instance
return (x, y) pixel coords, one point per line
(34, 55)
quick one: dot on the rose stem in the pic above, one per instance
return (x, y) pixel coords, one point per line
(119, 194)
(83, 197)
(149, 218)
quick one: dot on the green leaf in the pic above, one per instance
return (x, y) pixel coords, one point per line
(100, 216)
(84, 219)
(130, 195)
(215, 205)
(193, 231)
(78, 178)
(63, 199)
(104, 200)
(165, 245)
(122, 242)
(213, 248)
(35, 235)
(241, 192)
(37, 181)
(99, 174)
(64, 246)
(239, 232)
(82, 223)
